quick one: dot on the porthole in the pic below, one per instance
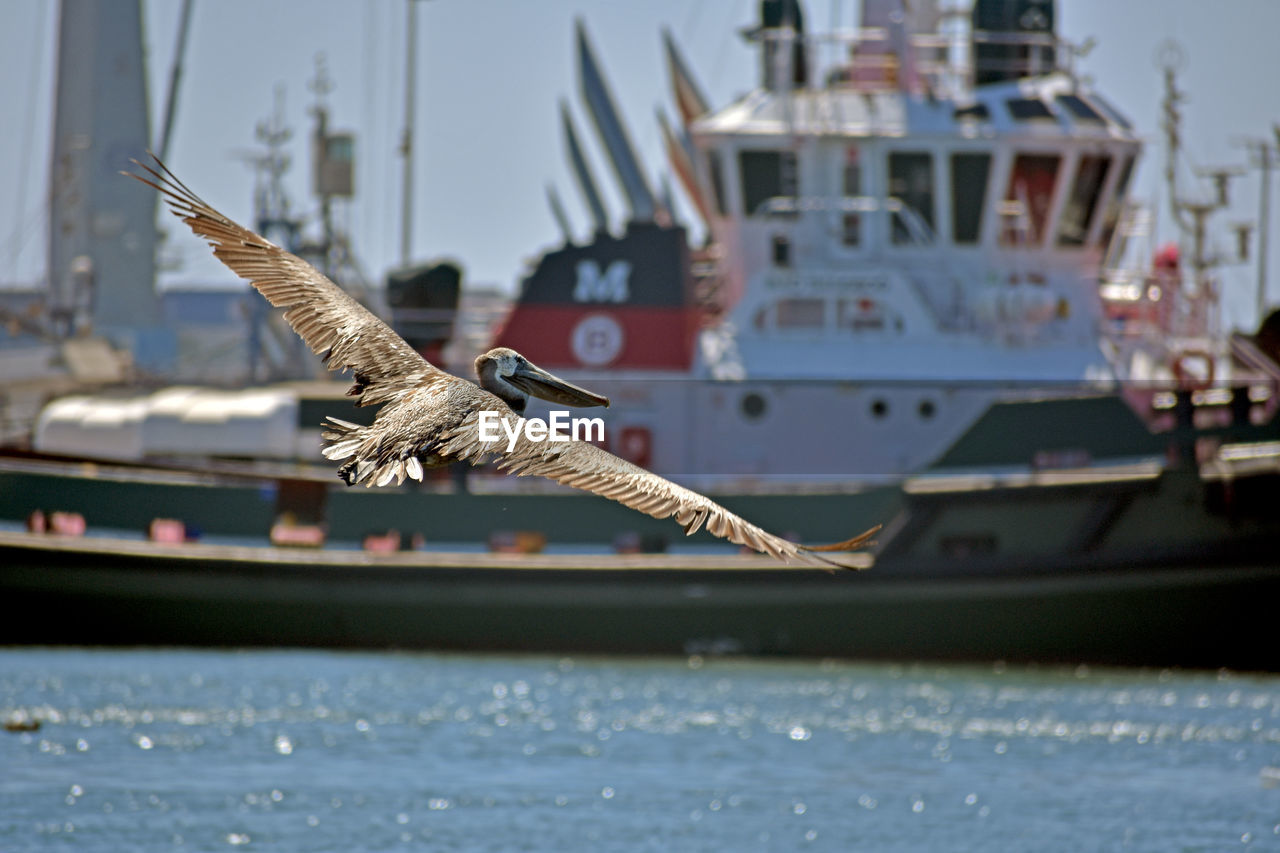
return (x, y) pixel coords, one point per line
(753, 406)
(879, 409)
(927, 410)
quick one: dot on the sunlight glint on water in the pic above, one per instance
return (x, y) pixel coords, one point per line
(163, 750)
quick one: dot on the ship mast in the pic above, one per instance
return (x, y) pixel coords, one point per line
(1190, 216)
(1264, 156)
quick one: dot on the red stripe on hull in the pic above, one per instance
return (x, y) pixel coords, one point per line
(577, 337)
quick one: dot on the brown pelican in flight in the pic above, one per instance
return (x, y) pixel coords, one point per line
(430, 418)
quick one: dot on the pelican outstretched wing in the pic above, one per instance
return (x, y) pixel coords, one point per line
(340, 329)
(388, 370)
(592, 469)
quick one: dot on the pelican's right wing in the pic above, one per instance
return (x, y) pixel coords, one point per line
(587, 467)
(340, 329)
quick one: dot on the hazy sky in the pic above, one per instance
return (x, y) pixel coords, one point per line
(490, 75)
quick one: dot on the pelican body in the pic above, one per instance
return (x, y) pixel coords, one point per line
(428, 417)
(436, 421)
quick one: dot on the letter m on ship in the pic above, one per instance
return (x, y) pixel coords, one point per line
(611, 285)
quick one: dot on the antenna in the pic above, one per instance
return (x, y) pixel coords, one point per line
(1220, 175)
(270, 202)
(1191, 216)
(1171, 59)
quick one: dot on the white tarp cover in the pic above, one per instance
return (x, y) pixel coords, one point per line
(260, 423)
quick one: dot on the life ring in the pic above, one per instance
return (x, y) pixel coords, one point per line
(1189, 380)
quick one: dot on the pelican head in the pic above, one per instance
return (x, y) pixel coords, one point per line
(510, 376)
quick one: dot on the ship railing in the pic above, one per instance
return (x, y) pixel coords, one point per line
(1075, 473)
(709, 285)
(1153, 307)
(1028, 54)
(941, 64)
(906, 217)
(907, 223)
(1247, 352)
(1266, 389)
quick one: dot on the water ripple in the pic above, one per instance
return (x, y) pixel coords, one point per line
(371, 750)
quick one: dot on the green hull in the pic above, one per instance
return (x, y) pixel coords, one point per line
(1116, 561)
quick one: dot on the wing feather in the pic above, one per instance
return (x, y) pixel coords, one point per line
(589, 468)
(332, 323)
(388, 370)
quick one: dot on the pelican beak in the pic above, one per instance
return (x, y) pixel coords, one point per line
(536, 382)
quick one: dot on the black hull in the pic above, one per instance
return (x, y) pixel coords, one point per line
(104, 592)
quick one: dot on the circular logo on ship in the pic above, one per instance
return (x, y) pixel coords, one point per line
(596, 340)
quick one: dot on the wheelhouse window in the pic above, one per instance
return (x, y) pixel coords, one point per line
(714, 166)
(781, 251)
(973, 112)
(766, 176)
(911, 195)
(1028, 109)
(851, 224)
(969, 175)
(1112, 115)
(1029, 199)
(1116, 205)
(1080, 109)
(1082, 203)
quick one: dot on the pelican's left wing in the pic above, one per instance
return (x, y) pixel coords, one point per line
(587, 467)
(333, 324)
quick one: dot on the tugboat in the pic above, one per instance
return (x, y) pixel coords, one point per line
(901, 247)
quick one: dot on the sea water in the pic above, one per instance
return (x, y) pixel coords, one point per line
(314, 751)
